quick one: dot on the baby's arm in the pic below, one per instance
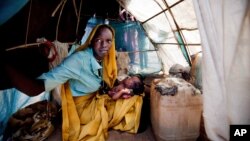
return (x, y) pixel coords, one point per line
(123, 93)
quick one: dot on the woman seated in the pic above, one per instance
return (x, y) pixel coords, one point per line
(87, 114)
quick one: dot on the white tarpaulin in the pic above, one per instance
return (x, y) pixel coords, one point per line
(169, 24)
(225, 34)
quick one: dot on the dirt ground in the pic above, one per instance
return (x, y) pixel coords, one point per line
(144, 133)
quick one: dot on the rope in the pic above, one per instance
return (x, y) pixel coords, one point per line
(24, 46)
(28, 23)
(58, 6)
(59, 18)
(78, 17)
(75, 8)
(61, 5)
(30, 45)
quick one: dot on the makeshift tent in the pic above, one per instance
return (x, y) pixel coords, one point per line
(224, 28)
(177, 30)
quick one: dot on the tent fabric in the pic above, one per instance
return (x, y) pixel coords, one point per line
(131, 38)
(8, 8)
(224, 27)
(170, 25)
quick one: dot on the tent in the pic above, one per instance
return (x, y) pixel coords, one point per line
(176, 29)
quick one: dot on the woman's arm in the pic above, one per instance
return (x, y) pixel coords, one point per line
(29, 86)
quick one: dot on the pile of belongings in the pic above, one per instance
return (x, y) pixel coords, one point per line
(32, 123)
(176, 82)
(180, 71)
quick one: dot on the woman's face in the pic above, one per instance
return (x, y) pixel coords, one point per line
(102, 43)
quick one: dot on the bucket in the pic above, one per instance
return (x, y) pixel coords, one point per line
(177, 117)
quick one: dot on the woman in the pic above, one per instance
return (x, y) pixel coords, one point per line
(86, 114)
(80, 69)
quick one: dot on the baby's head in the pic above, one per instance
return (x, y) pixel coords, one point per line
(128, 87)
(134, 83)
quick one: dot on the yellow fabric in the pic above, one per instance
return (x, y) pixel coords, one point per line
(89, 117)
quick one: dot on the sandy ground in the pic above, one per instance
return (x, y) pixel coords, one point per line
(147, 135)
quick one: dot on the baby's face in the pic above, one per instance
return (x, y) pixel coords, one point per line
(128, 83)
(131, 82)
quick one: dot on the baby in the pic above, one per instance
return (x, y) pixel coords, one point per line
(126, 88)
